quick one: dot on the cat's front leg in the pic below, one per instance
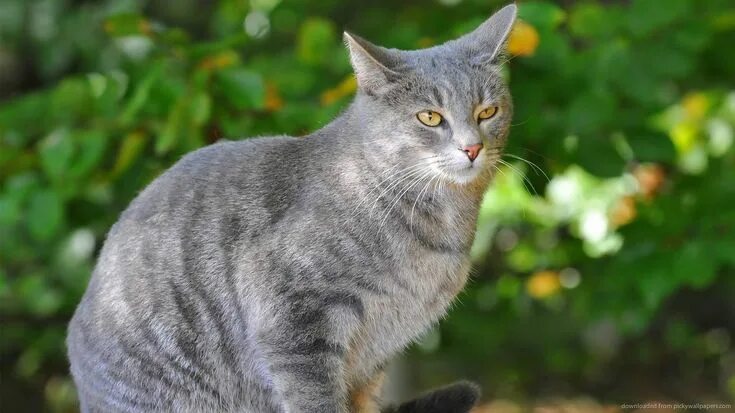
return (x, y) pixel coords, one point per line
(309, 384)
(365, 398)
(304, 351)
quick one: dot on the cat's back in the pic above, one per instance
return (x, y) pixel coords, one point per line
(162, 286)
(227, 175)
(190, 217)
(212, 199)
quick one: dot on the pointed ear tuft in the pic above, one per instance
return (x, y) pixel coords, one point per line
(485, 43)
(375, 67)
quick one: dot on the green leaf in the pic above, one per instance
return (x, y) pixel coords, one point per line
(141, 94)
(523, 258)
(725, 250)
(541, 14)
(4, 284)
(607, 62)
(663, 59)
(591, 111)
(599, 157)
(21, 115)
(91, 147)
(639, 85)
(652, 148)
(243, 88)
(645, 16)
(174, 127)
(45, 214)
(508, 286)
(130, 148)
(71, 100)
(316, 37)
(39, 297)
(9, 211)
(228, 16)
(56, 152)
(29, 363)
(201, 108)
(656, 282)
(694, 265)
(590, 20)
(22, 185)
(553, 53)
(127, 25)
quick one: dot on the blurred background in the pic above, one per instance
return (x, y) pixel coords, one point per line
(605, 255)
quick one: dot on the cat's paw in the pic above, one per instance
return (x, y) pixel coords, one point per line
(459, 397)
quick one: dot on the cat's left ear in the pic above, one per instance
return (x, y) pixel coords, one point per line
(485, 43)
(375, 67)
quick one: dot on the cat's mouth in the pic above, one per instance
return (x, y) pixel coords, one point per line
(464, 172)
(467, 175)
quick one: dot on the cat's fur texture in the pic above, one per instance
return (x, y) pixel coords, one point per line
(281, 274)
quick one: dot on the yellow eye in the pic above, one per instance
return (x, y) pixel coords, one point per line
(487, 113)
(429, 118)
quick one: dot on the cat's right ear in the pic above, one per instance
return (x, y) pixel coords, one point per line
(375, 67)
(485, 43)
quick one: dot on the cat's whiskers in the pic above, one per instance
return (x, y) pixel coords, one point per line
(413, 173)
(533, 165)
(392, 173)
(499, 169)
(394, 184)
(523, 211)
(414, 181)
(535, 153)
(519, 173)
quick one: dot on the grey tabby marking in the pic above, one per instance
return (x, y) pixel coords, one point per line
(281, 274)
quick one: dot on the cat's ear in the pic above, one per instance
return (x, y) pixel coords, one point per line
(484, 44)
(375, 67)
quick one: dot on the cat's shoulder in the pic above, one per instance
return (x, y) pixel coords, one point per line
(209, 171)
(244, 148)
(239, 156)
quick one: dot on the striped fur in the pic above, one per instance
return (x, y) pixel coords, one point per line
(280, 274)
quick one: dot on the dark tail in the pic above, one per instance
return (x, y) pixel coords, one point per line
(458, 397)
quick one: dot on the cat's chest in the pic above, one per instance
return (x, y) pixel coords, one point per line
(415, 296)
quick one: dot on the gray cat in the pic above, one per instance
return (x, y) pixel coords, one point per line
(281, 274)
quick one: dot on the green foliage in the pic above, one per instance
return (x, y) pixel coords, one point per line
(611, 256)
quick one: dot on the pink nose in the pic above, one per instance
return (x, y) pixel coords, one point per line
(472, 150)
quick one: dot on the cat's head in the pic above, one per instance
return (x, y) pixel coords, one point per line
(445, 107)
